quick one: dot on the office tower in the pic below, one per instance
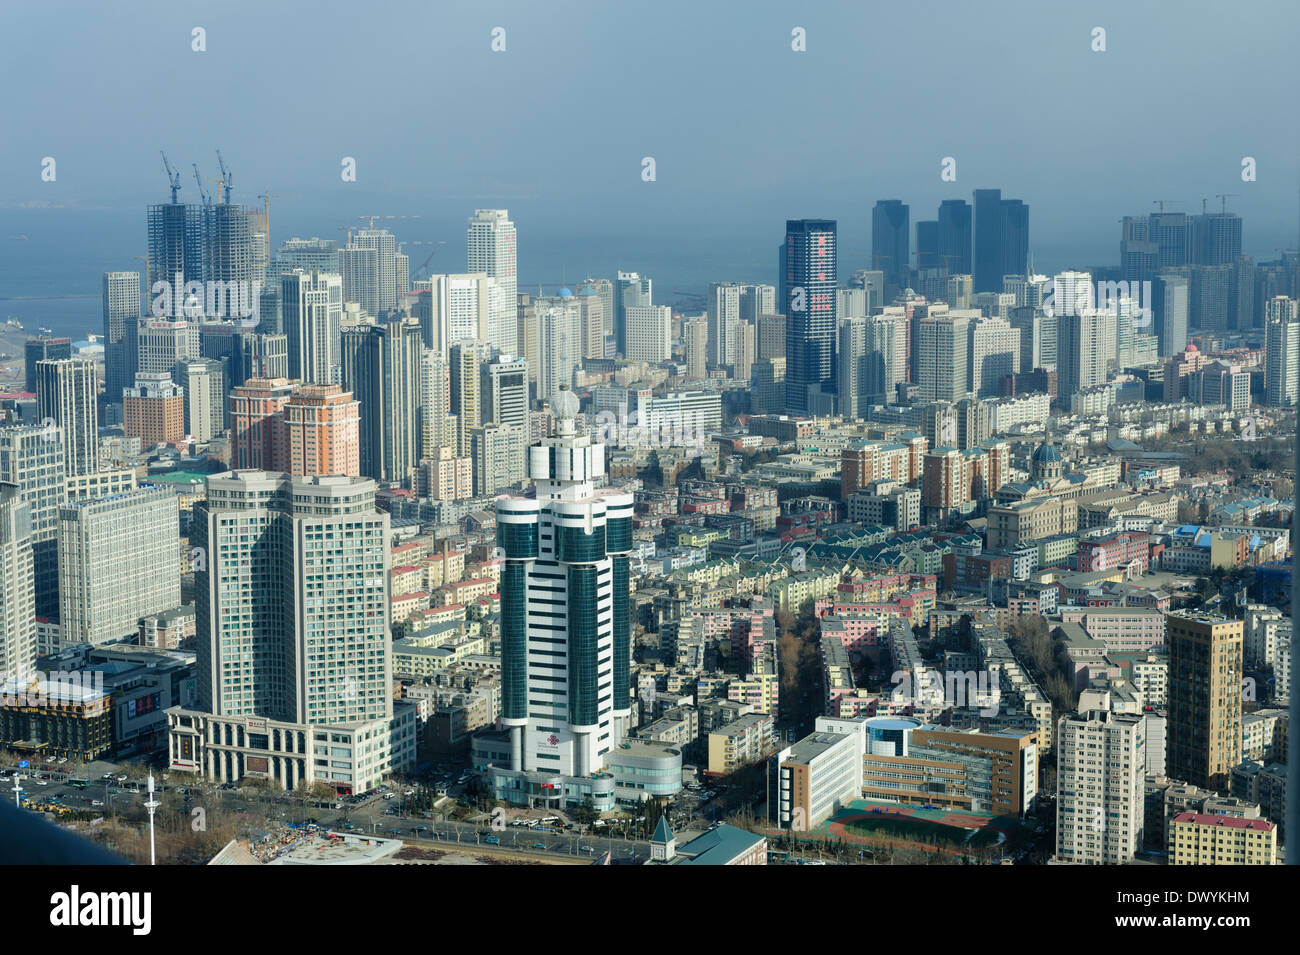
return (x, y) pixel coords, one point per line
(852, 303)
(153, 410)
(437, 427)
(231, 256)
(1029, 323)
(1028, 290)
(160, 344)
(649, 333)
(311, 305)
(1071, 293)
(1173, 235)
(1241, 293)
(320, 432)
(119, 560)
(66, 394)
(1205, 685)
(695, 332)
(384, 245)
(504, 391)
(959, 291)
(359, 268)
(604, 290)
(565, 622)
(558, 343)
(243, 352)
(256, 424)
(1216, 238)
(310, 255)
(177, 233)
(462, 308)
(1001, 239)
(886, 357)
(403, 275)
(768, 396)
(724, 318)
(1085, 351)
(1223, 383)
(756, 301)
(808, 281)
(202, 382)
(498, 453)
(927, 245)
(43, 349)
(291, 604)
(32, 457)
(465, 388)
(1208, 296)
(491, 251)
(994, 353)
(381, 368)
(121, 303)
(630, 289)
(1139, 256)
(770, 337)
(1281, 352)
(871, 281)
(591, 321)
(890, 232)
(744, 364)
(955, 237)
(1169, 312)
(1100, 775)
(942, 349)
(17, 586)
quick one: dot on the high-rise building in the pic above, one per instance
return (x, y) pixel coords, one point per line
(1001, 232)
(159, 344)
(591, 320)
(954, 237)
(1205, 688)
(17, 586)
(256, 424)
(942, 356)
(565, 622)
(504, 391)
(853, 356)
(1169, 312)
(381, 368)
(40, 349)
(153, 410)
(121, 303)
(1085, 350)
(724, 321)
(67, 394)
(202, 381)
(292, 613)
(770, 337)
(310, 255)
(321, 432)
(32, 457)
(890, 234)
(461, 307)
(808, 280)
(1216, 238)
(756, 301)
(927, 245)
(311, 308)
(768, 396)
(437, 427)
(1281, 352)
(359, 268)
(558, 342)
(498, 454)
(443, 476)
(177, 235)
(1100, 775)
(649, 333)
(490, 244)
(695, 331)
(384, 245)
(119, 560)
(629, 289)
(994, 351)
(465, 388)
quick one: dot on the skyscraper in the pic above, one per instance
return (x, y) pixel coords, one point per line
(39, 349)
(384, 245)
(381, 368)
(629, 289)
(1169, 312)
(649, 333)
(890, 234)
(359, 267)
(202, 381)
(504, 392)
(695, 331)
(558, 343)
(808, 281)
(153, 410)
(1281, 352)
(490, 249)
(256, 425)
(17, 586)
(1001, 239)
(118, 560)
(176, 246)
(311, 306)
(121, 301)
(1101, 758)
(66, 394)
(321, 432)
(462, 307)
(954, 236)
(943, 356)
(927, 245)
(1205, 687)
(465, 388)
(994, 353)
(1085, 350)
(32, 457)
(565, 623)
(724, 320)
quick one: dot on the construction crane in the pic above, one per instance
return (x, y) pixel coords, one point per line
(172, 176)
(1223, 197)
(425, 264)
(199, 179)
(225, 179)
(371, 219)
(266, 198)
(1161, 203)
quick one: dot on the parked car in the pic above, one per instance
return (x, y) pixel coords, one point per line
(492, 841)
(96, 803)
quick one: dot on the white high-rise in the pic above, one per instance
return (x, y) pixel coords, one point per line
(385, 246)
(994, 354)
(17, 586)
(649, 333)
(312, 308)
(490, 249)
(121, 306)
(559, 343)
(1085, 350)
(67, 394)
(462, 308)
(943, 348)
(724, 319)
(1101, 767)
(1282, 352)
(119, 560)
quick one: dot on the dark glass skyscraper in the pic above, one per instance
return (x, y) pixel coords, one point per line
(927, 245)
(808, 284)
(890, 232)
(1001, 239)
(954, 236)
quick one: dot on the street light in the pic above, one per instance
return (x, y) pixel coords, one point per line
(152, 804)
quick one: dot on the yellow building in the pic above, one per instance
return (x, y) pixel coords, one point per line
(1200, 839)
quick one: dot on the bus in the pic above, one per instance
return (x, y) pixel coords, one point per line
(78, 783)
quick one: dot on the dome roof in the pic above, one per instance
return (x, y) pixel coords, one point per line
(1191, 347)
(1046, 453)
(566, 292)
(586, 290)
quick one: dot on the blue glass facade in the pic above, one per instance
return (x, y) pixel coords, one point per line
(584, 679)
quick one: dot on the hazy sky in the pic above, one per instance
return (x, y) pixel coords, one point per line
(744, 131)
